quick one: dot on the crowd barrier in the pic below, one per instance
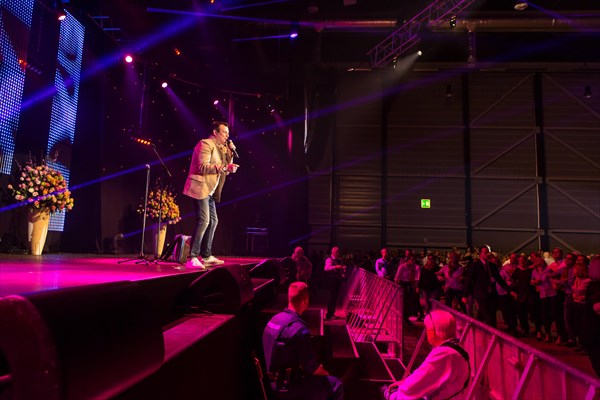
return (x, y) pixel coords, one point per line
(507, 368)
(373, 308)
(502, 366)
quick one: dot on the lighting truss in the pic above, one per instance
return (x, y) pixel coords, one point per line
(407, 36)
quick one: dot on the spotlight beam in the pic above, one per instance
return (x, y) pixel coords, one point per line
(260, 38)
(264, 3)
(218, 16)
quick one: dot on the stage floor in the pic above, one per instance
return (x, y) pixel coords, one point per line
(21, 273)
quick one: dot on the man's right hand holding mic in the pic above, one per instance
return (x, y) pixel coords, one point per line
(232, 168)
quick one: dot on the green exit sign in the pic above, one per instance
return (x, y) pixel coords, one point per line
(425, 203)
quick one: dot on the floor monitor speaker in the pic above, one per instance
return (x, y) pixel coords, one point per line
(222, 290)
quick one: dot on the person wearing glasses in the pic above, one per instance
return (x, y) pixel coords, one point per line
(445, 372)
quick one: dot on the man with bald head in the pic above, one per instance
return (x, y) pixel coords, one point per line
(445, 372)
(292, 364)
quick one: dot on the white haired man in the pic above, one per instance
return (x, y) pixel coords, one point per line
(446, 370)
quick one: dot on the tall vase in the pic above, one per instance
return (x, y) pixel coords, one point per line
(38, 221)
(159, 238)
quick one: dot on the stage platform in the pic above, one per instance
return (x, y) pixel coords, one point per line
(21, 273)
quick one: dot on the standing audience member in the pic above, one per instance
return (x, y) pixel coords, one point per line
(452, 274)
(335, 270)
(292, 365)
(591, 329)
(466, 262)
(580, 285)
(406, 277)
(505, 299)
(303, 265)
(481, 283)
(429, 285)
(563, 280)
(540, 277)
(558, 277)
(526, 296)
(446, 370)
(382, 265)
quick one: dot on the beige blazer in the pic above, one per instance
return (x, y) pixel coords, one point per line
(208, 160)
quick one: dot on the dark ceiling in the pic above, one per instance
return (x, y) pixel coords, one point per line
(216, 42)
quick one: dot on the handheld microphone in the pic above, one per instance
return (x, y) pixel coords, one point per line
(232, 147)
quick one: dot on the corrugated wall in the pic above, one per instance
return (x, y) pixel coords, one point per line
(533, 176)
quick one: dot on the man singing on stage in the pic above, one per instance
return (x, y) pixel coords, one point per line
(211, 163)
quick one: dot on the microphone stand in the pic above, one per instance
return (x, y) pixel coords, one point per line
(158, 257)
(141, 258)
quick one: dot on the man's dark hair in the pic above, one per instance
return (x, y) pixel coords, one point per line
(216, 124)
(487, 246)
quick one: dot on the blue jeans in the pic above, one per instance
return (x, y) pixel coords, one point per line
(206, 224)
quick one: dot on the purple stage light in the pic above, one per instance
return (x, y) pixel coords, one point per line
(216, 102)
(128, 59)
(164, 85)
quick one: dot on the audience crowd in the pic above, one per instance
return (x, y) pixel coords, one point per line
(543, 295)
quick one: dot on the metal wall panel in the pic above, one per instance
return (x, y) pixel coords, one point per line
(425, 238)
(501, 99)
(424, 159)
(503, 153)
(359, 201)
(319, 211)
(447, 202)
(565, 103)
(420, 99)
(354, 237)
(357, 148)
(504, 203)
(425, 151)
(572, 133)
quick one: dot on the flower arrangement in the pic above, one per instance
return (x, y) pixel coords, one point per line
(42, 187)
(161, 201)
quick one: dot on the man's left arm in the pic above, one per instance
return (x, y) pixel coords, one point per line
(307, 356)
(499, 279)
(424, 380)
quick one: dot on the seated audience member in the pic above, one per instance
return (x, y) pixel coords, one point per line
(292, 365)
(446, 370)
(303, 265)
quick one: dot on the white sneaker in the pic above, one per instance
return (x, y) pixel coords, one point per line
(194, 262)
(212, 260)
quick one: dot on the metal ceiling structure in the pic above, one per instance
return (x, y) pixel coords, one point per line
(407, 36)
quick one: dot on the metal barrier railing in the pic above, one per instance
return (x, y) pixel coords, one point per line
(373, 308)
(507, 368)
(502, 367)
